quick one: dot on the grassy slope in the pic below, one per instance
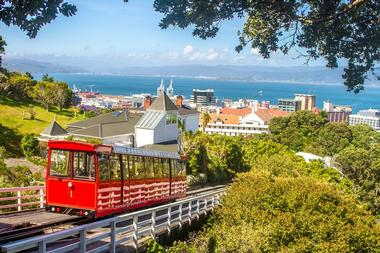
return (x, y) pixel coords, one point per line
(12, 114)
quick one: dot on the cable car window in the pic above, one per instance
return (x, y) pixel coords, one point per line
(157, 167)
(165, 168)
(60, 163)
(103, 167)
(149, 170)
(131, 167)
(173, 167)
(125, 167)
(84, 166)
(139, 167)
(115, 168)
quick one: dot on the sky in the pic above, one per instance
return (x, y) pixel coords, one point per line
(115, 34)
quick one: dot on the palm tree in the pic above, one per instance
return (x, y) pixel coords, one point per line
(205, 120)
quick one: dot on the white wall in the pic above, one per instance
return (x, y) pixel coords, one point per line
(144, 137)
(126, 138)
(163, 132)
(191, 122)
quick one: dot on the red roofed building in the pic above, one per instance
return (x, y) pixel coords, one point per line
(263, 116)
(236, 111)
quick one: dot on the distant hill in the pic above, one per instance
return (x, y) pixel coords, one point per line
(301, 74)
(24, 65)
(243, 73)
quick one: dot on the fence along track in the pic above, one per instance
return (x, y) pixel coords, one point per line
(127, 230)
(17, 196)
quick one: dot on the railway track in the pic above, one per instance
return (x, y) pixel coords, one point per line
(22, 230)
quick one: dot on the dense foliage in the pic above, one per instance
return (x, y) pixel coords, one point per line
(48, 92)
(333, 30)
(29, 145)
(16, 176)
(266, 213)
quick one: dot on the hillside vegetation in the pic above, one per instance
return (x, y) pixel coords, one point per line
(15, 121)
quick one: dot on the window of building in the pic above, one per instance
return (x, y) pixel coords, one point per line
(60, 163)
(171, 118)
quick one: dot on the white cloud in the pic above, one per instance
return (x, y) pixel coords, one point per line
(188, 50)
(255, 51)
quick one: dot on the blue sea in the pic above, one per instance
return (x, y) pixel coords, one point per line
(127, 85)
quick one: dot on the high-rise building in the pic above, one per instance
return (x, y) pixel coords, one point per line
(203, 97)
(308, 102)
(289, 105)
(369, 117)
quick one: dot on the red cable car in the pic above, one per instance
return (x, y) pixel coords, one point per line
(99, 180)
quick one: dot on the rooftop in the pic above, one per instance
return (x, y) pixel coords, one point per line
(267, 114)
(163, 103)
(53, 129)
(236, 111)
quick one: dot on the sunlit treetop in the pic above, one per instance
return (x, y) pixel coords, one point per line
(334, 30)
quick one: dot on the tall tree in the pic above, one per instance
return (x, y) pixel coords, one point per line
(334, 30)
(62, 94)
(44, 93)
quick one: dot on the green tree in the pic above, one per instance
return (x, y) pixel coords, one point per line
(266, 213)
(20, 85)
(297, 130)
(43, 92)
(205, 120)
(362, 166)
(333, 30)
(47, 78)
(364, 136)
(333, 138)
(62, 95)
(2, 50)
(29, 145)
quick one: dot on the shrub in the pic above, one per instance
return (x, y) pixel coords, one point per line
(29, 145)
(266, 213)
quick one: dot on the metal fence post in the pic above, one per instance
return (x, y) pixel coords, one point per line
(83, 234)
(153, 225)
(169, 220)
(180, 216)
(197, 209)
(19, 201)
(135, 232)
(42, 247)
(189, 212)
(41, 198)
(113, 237)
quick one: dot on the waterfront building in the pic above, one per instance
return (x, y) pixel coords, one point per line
(308, 102)
(203, 97)
(369, 117)
(243, 121)
(300, 102)
(289, 105)
(337, 113)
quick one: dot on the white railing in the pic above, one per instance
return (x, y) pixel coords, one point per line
(128, 230)
(19, 198)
